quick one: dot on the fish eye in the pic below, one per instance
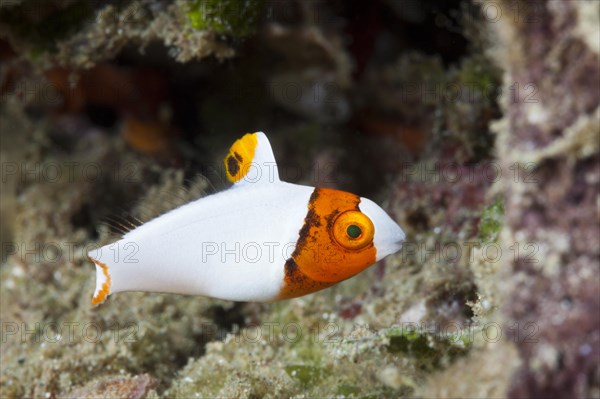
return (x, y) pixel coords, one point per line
(353, 230)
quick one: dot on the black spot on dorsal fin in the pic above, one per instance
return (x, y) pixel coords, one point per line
(233, 164)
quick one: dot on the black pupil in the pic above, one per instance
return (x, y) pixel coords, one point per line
(353, 231)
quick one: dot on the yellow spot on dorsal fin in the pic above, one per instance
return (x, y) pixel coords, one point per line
(240, 156)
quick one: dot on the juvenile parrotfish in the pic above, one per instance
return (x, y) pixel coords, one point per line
(260, 240)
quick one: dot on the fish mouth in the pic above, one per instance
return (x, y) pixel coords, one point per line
(400, 236)
(394, 243)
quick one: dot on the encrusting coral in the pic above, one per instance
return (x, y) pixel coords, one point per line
(455, 314)
(551, 142)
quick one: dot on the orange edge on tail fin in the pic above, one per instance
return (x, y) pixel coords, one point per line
(103, 293)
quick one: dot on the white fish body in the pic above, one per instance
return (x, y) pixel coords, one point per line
(243, 244)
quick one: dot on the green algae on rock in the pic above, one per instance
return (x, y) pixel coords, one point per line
(491, 221)
(238, 18)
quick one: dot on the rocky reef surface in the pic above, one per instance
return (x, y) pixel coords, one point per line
(475, 124)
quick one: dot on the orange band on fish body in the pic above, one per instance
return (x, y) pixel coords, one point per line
(320, 259)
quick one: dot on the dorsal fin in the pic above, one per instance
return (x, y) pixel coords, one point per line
(250, 161)
(170, 193)
(121, 224)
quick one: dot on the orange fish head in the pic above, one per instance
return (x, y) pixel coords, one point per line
(343, 234)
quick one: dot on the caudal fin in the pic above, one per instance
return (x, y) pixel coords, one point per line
(102, 282)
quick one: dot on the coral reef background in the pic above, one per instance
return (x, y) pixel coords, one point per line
(475, 123)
